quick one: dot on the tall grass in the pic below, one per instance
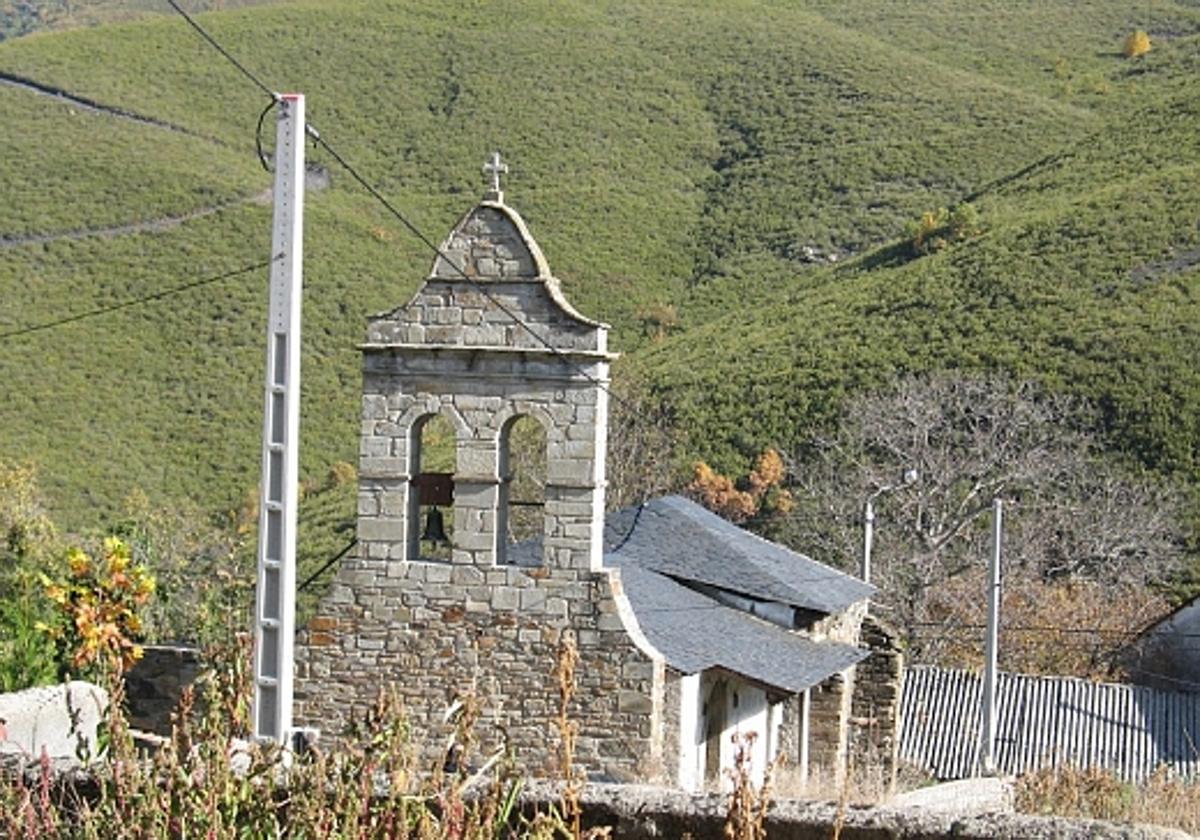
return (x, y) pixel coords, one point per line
(1067, 791)
(207, 780)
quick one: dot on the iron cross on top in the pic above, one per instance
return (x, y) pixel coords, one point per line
(495, 168)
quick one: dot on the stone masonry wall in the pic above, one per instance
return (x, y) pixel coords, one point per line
(789, 730)
(875, 706)
(672, 707)
(156, 682)
(829, 710)
(460, 315)
(841, 626)
(477, 352)
(480, 393)
(433, 630)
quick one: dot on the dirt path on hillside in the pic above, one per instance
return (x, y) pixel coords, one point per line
(32, 86)
(157, 225)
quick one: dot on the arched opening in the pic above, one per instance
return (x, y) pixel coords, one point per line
(522, 502)
(431, 494)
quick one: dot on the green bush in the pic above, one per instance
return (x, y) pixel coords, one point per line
(27, 655)
(938, 228)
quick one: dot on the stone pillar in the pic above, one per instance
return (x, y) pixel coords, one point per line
(575, 480)
(383, 475)
(875, 708)
(829, 714)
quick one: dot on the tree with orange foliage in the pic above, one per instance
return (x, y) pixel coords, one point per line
(764, 493)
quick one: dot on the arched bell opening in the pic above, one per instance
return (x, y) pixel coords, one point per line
(431, 492)
(521, 508)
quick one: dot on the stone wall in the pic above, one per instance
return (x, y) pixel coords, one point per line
(478, 353)
(402, 390)
(434, 631)
(875, 705)
(154, 685)
(829, 712)
(789, 730)
(672, 707)
(842, 626)
(646, 813)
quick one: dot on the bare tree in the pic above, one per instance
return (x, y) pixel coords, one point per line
(1075, 514)
(641, 446)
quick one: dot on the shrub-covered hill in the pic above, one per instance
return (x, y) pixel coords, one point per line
(1084, 275)
(682, 167)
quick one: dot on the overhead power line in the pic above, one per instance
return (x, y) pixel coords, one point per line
(228, 56)
(345, 550)
(1047, 628)
(126, 304)
(409, 225)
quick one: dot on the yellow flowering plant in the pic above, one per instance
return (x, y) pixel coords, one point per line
(98, 605)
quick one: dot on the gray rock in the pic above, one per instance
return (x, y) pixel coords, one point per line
(58, 719)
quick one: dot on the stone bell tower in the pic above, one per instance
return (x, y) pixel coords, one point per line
(487, 340)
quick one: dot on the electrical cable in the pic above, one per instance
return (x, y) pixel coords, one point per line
(213, 43)
(258, 145)
(308, 580)
(311, 131)
(409, 225)
(1033, 628)
(475, 284)
(104, 310)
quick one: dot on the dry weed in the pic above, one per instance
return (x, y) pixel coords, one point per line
(1066, 791)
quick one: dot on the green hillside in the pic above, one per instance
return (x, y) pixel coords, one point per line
(689, 172)
(19, 18)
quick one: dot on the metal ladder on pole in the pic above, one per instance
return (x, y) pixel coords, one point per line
(275, 592)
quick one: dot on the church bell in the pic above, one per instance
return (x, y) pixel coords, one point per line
(435, 528)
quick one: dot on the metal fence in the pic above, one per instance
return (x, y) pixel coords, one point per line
(1046, 722)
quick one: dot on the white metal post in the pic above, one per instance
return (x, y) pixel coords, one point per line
(275, 601)
(910, 477)
(805, 731)
(868, 537)
(988, 735)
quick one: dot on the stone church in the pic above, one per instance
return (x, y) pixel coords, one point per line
(689, 630)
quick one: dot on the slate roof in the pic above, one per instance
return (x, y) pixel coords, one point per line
(694, 633)
(681, 539)
(671, 540)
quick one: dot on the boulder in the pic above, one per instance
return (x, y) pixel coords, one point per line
(59, 719)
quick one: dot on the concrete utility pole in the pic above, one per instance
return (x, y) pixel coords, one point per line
(275, 593)
(988, 716)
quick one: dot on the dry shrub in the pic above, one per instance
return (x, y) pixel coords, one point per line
(867, 781)
(764, 493)
(1097, 794)
(746, 818)
(1136, 43)
(341, 473)
(203, 782)
(640, 461)
(1074, 627)
(659, 320)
